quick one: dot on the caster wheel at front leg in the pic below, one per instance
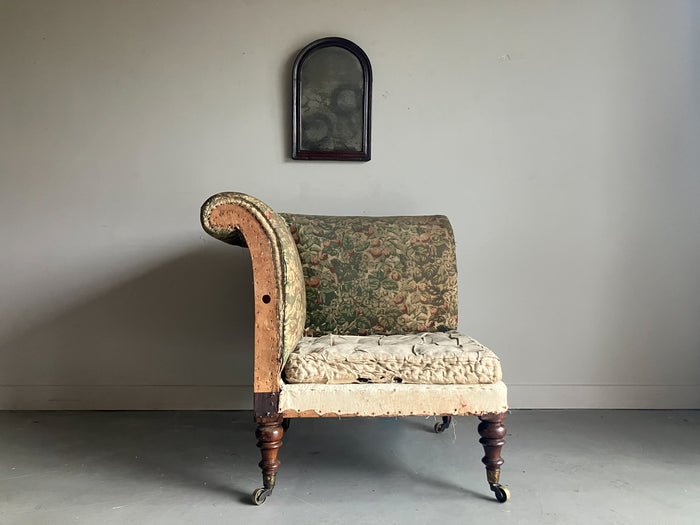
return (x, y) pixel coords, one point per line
(260, 495)
(502, 493)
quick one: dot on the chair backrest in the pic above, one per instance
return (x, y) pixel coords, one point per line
(377, 275)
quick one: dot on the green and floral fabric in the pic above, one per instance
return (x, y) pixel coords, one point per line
(289, 275)
(294, 292)
(377, 275)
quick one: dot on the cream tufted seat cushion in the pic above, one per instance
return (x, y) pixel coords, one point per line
(437, 358)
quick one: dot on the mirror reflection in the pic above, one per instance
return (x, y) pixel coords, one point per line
(331, 101)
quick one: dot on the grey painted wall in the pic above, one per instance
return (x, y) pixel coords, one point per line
(562, 138)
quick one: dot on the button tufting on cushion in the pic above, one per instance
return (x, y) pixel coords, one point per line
(423, 358)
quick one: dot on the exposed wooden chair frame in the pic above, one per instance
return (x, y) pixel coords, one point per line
(224, 217)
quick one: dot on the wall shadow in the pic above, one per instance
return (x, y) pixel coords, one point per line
(186, 321)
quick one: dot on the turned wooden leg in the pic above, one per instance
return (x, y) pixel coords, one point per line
(269, 434)
(492, 434)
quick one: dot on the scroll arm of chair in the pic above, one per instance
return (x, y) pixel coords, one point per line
(280, 300)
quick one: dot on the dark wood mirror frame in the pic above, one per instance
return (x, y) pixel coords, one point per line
(345, 103)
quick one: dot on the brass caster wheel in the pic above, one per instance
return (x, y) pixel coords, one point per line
(260, 495)
(502, 493)
(444, 425)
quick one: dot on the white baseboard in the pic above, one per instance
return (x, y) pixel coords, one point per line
(605, 396)
(183, 397)
(125, 397)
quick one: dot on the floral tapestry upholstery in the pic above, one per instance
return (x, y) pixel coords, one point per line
(377, 275)
(290, 279)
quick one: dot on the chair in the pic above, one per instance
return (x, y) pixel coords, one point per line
(357, 316)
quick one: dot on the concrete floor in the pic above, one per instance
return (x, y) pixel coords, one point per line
(170, 468)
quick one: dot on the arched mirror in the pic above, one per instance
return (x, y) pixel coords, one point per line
(332, 80)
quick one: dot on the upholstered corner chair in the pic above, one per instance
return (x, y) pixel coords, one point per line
(357, 316)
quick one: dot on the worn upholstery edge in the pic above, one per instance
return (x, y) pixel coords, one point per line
(367, 400)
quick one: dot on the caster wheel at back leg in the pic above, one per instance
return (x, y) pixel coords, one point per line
(441, 427)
